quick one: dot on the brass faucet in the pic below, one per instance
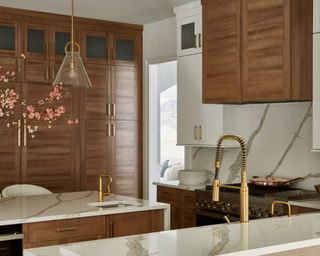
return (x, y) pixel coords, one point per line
(101, 193)
(280, 202)
(244, 191)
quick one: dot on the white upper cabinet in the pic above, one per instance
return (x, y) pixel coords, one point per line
(198, 124)
(316, 16)
(316, 92)
(189, 28)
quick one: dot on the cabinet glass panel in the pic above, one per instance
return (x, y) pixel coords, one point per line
(62, 39)
(7, 38)
(187, 36)
(96, 47)
(124, 49)
(35, 41)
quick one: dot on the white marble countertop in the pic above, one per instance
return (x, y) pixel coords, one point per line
(29, 209)
(308, 203)
(175, 184)
(258, 237)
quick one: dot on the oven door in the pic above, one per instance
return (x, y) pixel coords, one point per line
(204, 218)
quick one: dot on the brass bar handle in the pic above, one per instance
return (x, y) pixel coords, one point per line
(68, 229)
(114, 110)
(108, 109)
(114, 130)
(199, 40)
(19, 133)
(111, 225)
(195, 132)
(24, 132)
(200, 132)
(280, 202)
(108, 130)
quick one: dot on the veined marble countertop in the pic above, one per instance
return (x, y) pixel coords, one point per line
(29, 209)
(175, 184)
(258, 237)
(309, 203)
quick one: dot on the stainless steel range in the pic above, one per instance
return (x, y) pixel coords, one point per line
(260, 200)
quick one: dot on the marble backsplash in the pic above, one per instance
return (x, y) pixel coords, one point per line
(279, 143)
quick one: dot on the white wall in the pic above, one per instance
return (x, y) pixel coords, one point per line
(159, 45)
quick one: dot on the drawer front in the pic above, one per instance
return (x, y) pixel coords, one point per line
(63, 229)
(165, 194)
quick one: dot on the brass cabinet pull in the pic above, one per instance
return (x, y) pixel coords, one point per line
(114, 110)
(280, 202)
(19, 133)
(200, 132)
(108, 109)
(111, 225)
(114, 130)
(67, 229)
(199, 40)
(195, 132)
(24, 132)
(195, 41)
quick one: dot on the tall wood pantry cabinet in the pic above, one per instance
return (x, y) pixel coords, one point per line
(108, 138)
(257, 51)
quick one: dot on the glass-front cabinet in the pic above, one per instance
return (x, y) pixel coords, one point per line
(94, 47)
(36, 41)
(9, 39)
(125, 50)
(189, 35)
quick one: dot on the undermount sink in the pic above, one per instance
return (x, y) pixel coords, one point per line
(113, 204)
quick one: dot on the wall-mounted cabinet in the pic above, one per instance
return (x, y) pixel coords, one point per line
(316, 16)
(189, 29)
(253, 51)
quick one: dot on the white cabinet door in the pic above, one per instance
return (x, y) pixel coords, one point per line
(316, 16)
(198, 124)
(189, 40)
(316, 91)
(189, 98)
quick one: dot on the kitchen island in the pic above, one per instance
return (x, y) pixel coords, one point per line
(54, 219)
(258, 237)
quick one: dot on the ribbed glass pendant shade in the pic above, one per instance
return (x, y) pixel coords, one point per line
(72, 71)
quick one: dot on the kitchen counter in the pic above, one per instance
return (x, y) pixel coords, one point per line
(258, 237)
(175, 184)
(30, 209)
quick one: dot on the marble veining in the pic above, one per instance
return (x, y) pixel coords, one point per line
(258, 237)
(237, 164)
(29, 209)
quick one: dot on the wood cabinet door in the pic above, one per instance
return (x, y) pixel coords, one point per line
(59, 37)
(10, 141)
(96, 99)
(221, 51)
(126, 91)
(96, 152)
(266, 50)
(125, 152)
(50, 156)
(126, 224)
(10, 38)
(11, 64)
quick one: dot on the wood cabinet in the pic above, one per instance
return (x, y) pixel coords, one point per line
(182, 206)
(91, 228)
(108, 138)
(253, 50)
(299, 209)
(316, 16)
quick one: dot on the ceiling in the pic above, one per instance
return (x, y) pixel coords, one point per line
(129, 11)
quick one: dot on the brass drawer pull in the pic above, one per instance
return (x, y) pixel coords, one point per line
(111, 224)
(24, 132)
(114, 110)
(19, 133)
(195, 132)
(200, 132)
(67, 229)
(199, 40)
(108, 130)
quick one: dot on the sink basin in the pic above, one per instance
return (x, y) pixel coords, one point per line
(113, 204)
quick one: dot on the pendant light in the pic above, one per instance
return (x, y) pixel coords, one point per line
(72, 71)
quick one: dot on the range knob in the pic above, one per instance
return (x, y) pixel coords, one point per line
(259, 213)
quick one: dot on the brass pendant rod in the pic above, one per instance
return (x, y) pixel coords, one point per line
(72, 13)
